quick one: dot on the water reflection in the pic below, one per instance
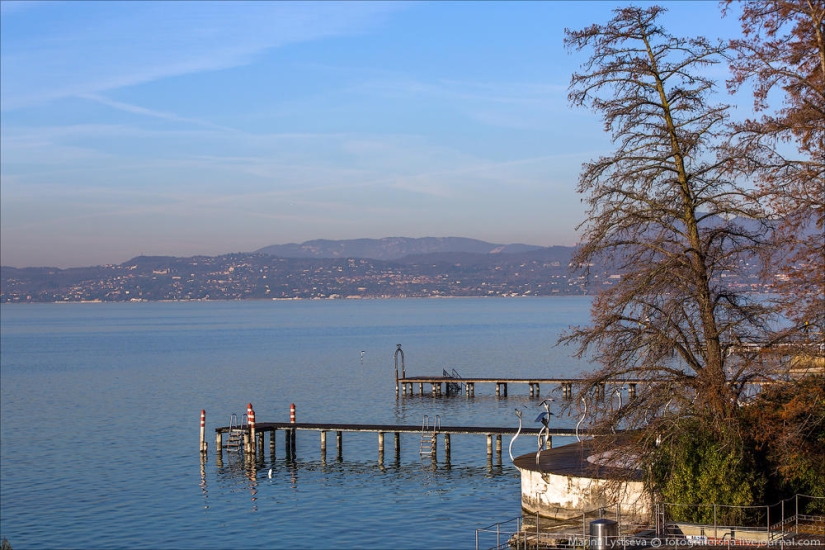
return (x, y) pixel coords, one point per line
(204, 490)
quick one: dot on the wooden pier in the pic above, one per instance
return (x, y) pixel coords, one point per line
(254, 436)
(453, 383)
(405, 385)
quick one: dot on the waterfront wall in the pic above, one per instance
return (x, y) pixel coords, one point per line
(560, 496)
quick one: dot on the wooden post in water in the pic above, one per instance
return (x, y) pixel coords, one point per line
(291, 433)
(218, 443)
(397, 442)
(631, 391)
(272, 444)
(253, 442)
(381, 443)
(339, 444)
(323, 444)
(489, 445)
(447, 447)
(498, 389)
(434, 448)
(203, 430)
(537, 389)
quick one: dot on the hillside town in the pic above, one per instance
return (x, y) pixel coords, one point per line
(260, 276)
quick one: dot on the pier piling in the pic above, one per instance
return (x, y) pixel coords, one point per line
(203, 430)
(252, 442)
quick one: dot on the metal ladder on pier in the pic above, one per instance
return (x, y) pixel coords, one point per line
(428, 433)
(235, 440)
(453, 388)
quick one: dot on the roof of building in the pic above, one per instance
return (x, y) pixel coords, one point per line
(572, 460)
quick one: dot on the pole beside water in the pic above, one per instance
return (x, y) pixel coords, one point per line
(203, 431)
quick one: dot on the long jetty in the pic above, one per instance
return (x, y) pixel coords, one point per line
(452, 383)
(249, 437)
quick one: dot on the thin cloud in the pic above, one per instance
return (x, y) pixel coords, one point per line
(144, 44)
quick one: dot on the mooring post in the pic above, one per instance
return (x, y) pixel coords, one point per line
(498, 389)
(253, 442)
(537, 389)
(323, 443)
(498, 446)
(447, 447)
(272, 444)
(218, 442)
(381, 443)
(489, 445)
(339, 444)
(397, 443)
(434, 447)
(288, 442)
(203, 430)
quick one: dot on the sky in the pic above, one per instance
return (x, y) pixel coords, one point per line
(188, 128)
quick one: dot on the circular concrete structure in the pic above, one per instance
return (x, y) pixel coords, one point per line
(572, 479)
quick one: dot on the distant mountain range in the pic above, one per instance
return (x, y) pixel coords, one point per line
(360, 268)
(390, 248)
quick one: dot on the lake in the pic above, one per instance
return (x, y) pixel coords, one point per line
(101, 406)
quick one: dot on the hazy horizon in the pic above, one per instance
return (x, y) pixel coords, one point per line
(200, 128)
(250, 251)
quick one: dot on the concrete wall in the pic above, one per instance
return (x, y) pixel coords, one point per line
(562, 497)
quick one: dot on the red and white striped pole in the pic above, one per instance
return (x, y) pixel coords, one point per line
(250, 415)
(291, 431)
(203, 430)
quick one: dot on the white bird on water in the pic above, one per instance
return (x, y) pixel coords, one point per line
(270, 473)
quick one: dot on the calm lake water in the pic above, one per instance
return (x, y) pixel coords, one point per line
(101, 407)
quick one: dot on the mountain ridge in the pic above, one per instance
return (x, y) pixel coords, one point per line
(390, 248)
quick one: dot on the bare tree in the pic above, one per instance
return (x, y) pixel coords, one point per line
(782, 52)
(665, 211)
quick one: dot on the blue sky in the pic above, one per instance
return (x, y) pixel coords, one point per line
(183, 128)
